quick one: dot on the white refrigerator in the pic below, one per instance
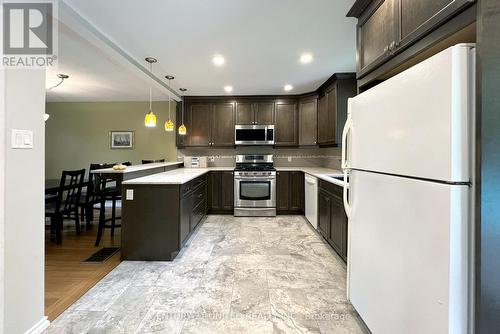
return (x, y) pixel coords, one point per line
(407, 146)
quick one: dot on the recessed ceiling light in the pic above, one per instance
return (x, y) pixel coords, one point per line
(288, 88)
(218, 60)
(228, 89)
(306, 58)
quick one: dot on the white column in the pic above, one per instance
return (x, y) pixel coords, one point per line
(22, 202)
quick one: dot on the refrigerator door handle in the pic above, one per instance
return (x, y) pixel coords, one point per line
(347, 206)
(345, 132)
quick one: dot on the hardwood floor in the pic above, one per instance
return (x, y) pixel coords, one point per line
(66, 277)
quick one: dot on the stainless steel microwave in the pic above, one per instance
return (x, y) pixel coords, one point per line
(254, 134)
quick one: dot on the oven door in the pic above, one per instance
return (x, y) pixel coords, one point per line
(255, 192)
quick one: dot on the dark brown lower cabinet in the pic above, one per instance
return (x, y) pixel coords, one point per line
(332, 220)
(160, 218)
(221, 192)
(290, 192)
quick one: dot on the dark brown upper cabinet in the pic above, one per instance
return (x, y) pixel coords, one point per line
(332, 108)
(244, 113)
(210, 120)
(308, 121)
(286, 126)
(222, 124)
(248, 113)
(322, 118)
(208, 124)
(264, 113)
(200, 115)
(377, 29)
(387, 27)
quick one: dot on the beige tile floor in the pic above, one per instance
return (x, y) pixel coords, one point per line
(236, 275)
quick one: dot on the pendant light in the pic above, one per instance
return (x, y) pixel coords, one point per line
(182, 128)
(150, 119)
(61, 77)
(169, 125)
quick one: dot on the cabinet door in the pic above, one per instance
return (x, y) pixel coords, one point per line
(296, 191)
(323, 119)
(324, 214)
(332, 115)
(338, 226)
(244, 113)
(286, 124)
(223, 124)
(264, 113)
(282, 191)
(214, 191)
(308, 122)
(199, 129)
(420, 16)
(185, 216)
(227, 191)
(377, 29)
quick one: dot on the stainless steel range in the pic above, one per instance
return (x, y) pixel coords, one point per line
(254, 186)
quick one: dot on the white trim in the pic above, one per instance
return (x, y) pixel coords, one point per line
(39, 327)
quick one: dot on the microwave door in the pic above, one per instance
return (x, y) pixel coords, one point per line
(250, 136)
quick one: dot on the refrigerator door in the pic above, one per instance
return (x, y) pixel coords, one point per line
(417, 123)
(407, 257)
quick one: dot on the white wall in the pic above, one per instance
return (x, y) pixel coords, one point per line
(2, 198)
(23, 201)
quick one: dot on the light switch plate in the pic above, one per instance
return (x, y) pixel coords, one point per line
(22, 139)
(289, 159)
(129, 195)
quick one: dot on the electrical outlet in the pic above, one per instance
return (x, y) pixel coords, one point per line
(289, 159)
(129, 195)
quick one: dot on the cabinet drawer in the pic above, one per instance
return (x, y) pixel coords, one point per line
(199, 195)
(198, 181)
(198, 214)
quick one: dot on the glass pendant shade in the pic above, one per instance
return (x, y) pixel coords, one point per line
(169, 125)
(150, 120)
(182, 130)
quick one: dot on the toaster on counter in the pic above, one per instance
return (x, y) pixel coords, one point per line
(195, 162)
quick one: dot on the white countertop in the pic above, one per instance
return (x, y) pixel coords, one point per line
(319, 172)
(176, 176)
(136, 168)
(183, 175)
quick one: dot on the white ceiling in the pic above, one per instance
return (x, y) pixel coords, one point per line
(260, 39)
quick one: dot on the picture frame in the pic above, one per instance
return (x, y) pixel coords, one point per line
(121, 140)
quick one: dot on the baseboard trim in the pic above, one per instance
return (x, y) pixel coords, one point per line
(39, 327)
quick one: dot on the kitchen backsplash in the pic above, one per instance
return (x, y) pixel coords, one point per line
(304, 157)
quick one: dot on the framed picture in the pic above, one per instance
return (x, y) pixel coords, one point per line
(121, 139)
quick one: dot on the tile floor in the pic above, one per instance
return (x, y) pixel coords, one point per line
(236, 275)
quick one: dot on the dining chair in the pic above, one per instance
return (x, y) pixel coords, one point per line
(66, 204)
(104, 190)
(91, 198)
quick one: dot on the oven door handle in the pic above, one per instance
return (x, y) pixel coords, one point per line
(244, 178)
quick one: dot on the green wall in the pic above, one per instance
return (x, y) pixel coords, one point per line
(77, 134)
